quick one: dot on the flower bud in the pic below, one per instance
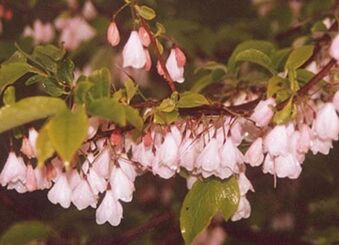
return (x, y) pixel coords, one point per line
(113, 35)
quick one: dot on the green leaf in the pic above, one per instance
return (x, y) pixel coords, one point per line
(46, 62)
(279, 58)
(66, 71)
(9, 96)
(284, 115)
(11, 72)
(110, 109)
(191, 99)
(28, 110)
(278, 87)
(67, 131)
(26, 232)
(203, 201)
(51, 51)
(257, 57)
(133, 117)
(167, 105)
(81, 92)
(102, 83)
(17, 57)
(131, 89)
(202, 83)
(298, 57)
(44, 147)
(165, 117)
(145, 12)
(263, 46)
(303, 76)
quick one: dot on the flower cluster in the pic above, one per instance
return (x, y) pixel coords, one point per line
(136, 54)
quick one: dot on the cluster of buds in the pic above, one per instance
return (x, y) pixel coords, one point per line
(136, 53)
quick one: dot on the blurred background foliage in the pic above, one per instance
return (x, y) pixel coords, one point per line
(299, 211)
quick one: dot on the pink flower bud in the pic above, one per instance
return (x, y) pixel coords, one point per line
(174, 69)
(113, 35)
(180, 56)
(109, 210)
(144, 37)
(133, 52)
(255, 155)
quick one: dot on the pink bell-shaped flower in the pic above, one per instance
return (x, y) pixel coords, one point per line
(31, 182)
(98, 183)
(82, 196)
(133, 52)
(209, 159)
(276, 141)
(14, 170)
(255, 154)
(61, 192)
(263, 112)
(110, 210)
(243, 211)
(122, 186)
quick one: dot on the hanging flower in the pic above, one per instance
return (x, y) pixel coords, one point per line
(133, 52)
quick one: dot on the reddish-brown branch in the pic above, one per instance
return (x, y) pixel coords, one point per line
(161, 60)
(317, 78)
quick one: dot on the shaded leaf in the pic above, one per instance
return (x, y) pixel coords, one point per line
(11, 72)
(145, 12)
(133, 117)
(257, 57)
(203, 201)
(25, 232)
(191, 99)
(44, 147)
(298, 57)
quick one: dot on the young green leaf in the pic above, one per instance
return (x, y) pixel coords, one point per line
(203, 201)
(51, 51)
(165, 117)
(28, 110)
(298, 57)
(131, 89)
(133, 117)
(110, 109)
(11, 72)
(67, 131)
(167, 105)
(257, 57)
(191, 99)
(102, 81)
(145, 12)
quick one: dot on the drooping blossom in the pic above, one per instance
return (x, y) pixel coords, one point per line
(61, 192)
(263, 112)
(174, 69)
(334, 48)
(13, 171)
(133, 52)
(327, 123)
(110, 210)
(255, 155)
(83, 196)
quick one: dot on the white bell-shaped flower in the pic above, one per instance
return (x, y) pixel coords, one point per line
(327, 122)
(122, 186)
(255, 154)
(109, 210)
(61, 192)
(209, 159)
(175, 71)
(14, 170)
(263, 112)
(276, 141)
(82, 196)
(133, 52)
(243, 211)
